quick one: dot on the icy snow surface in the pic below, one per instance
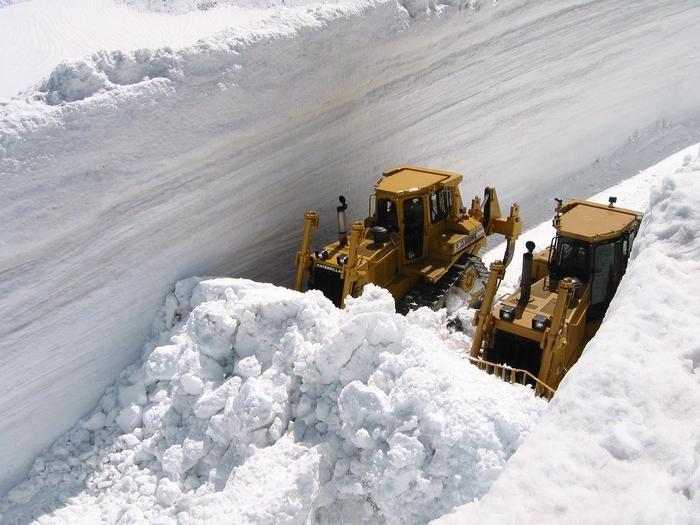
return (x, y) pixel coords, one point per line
(135, 163)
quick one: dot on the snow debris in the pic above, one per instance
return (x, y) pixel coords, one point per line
(263, 404)
(80, 78)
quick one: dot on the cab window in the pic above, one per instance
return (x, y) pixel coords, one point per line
(438, 205)
(413, 227)
(387, 214)
(604, 276)
(571, 260)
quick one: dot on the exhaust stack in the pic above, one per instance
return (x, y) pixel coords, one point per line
(342, 227)
(526, 278)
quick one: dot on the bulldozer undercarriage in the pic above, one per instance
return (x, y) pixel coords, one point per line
(473, 281)
(469, 273)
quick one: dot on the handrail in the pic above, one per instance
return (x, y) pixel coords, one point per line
(501, 371)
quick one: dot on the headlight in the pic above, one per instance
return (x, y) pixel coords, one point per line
(507, 313)
(342, 259)
(540, 322)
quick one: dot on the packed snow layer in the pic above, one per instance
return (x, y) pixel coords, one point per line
(258, 404)
(126, 171)
(620, 442)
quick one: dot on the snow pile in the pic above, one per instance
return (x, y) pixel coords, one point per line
(78, 79)
(173, 6)
(415, 8)
(621, 440)
(211, 57)
(258, 404)
(186, 6)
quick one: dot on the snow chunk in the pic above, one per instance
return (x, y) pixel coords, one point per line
(248, 367)
(95, 422)
(192, 384)
(213, 329)
(130, 418)
(363, 408)
(211, 403)
(132, 395)
(74, 80)
(162, 363)
(252, 409)
(167, 492)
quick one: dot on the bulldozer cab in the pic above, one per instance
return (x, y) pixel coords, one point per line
(598, 264)
(408, 216)
(415, 203)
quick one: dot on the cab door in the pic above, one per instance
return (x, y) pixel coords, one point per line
(413, 211)
(605, 277)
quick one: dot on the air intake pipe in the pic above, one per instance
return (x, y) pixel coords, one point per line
(526, 278)
(342, 227)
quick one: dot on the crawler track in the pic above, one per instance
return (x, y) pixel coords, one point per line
(433, 295)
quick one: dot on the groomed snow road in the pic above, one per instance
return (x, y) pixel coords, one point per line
(127, 171)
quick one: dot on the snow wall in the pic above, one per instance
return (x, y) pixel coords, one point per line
(127, 171)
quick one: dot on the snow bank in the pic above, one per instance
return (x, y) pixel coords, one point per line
(620, 442)
(117, 185)
(257, 404)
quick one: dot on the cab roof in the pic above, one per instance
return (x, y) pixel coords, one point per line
(593, 222)
(410, 179)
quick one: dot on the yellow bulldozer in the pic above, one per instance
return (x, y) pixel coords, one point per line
(536, 334)
(418, 241)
